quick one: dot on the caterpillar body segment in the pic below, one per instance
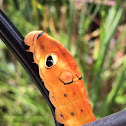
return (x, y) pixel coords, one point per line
(62, 78)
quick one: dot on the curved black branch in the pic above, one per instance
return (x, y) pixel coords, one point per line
(15, 42)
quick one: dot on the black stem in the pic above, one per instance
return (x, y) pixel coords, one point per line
(116, 119)
(15, 42)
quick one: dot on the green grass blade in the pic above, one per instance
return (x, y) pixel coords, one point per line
(109, 102)
(99, 64)
(70, 23)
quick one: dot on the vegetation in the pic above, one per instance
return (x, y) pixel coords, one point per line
(94, 33)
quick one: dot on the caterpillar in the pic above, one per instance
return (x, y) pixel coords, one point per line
(62, 78)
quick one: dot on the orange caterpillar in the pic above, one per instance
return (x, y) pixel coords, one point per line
(62, 78)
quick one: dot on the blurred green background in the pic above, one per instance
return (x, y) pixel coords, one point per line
(94, 33)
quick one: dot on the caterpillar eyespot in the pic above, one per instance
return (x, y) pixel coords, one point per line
(50, 60)
(62, 78)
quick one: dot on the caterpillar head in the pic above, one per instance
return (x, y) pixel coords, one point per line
(31, 38)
